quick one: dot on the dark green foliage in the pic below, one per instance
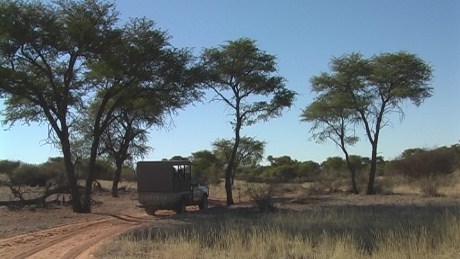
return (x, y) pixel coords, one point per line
(103, 170)
(69, 60)
(55, 166)
(248, 153)
(282, 169)
(206, 168)
(8, 166)
(244, 78)
(363, 92)
(284, 172)
(334, 165)
(308, 169)
(45, 50)
(28, 174)
(34, 175)
(128, 173)
(423, 163)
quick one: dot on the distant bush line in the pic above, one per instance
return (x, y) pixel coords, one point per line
(426, 165)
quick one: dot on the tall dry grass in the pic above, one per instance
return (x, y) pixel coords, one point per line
(340, 232)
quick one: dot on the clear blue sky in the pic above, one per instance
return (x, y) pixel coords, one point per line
(304, 36)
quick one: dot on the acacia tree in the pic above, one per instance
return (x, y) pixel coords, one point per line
(374, 89)
(138, 80)
(44, 50)
(125, 137)
(334, 120)
(243, 77)
(125, 140)
(55, 59)
(249, 152)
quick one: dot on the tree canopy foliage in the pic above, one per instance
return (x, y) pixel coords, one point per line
(366, 92)
(244, 78)
(60, 60)
(249, 152)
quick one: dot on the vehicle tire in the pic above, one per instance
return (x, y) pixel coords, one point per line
(150, 211)
(180, 207)
(204, 203)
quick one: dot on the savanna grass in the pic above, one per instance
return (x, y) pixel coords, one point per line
(348, 232)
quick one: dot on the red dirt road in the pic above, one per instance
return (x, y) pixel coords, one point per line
(76, 240)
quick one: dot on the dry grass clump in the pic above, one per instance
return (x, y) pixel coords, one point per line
(340, 232)
(262, 195)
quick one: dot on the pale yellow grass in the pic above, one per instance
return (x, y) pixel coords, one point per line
(448, 185)
(318, 233)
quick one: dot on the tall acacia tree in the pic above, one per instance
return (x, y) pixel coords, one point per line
(56, 59)
(244, 78)
(44, 51)
(141, 75)
(374, 89)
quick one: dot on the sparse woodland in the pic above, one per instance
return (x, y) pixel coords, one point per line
(101, 87)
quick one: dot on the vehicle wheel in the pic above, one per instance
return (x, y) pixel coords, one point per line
(180, 207)
(150, 211)
(204, 203)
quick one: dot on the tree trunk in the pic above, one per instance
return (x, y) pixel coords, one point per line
(354, 188)
(228, 189)
(70, 169)
(116, 179)
(231, 165)
(228, 177)
(373, 170)
(90, 179)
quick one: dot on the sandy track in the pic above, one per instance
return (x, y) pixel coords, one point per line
(76, 240)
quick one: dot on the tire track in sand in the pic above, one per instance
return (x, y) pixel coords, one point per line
(71, 240)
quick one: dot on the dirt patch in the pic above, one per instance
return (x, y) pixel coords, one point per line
(59, 233)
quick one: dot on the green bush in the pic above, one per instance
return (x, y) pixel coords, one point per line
(209, 174)
(32, 175)
(424, 163)
(284, 172)
(55, 169)
(104, 170)
(8, 166)
(128, 173)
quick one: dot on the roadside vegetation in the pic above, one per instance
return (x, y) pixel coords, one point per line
(390, 231)
(427, 171)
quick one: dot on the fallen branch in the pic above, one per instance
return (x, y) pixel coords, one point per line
(19, 200)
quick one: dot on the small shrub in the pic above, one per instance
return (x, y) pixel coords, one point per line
(262, 195)
(383, 186)
(429, 186)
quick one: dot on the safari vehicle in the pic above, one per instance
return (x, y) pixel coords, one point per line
(169, 185)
